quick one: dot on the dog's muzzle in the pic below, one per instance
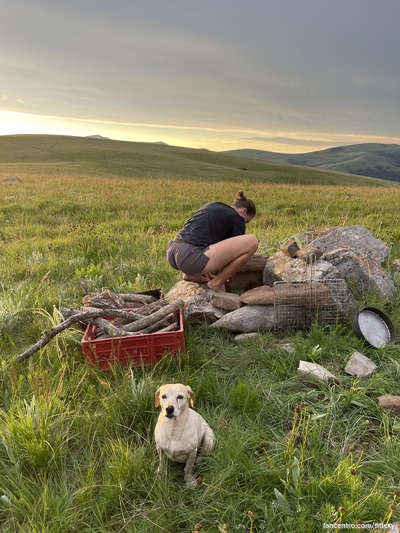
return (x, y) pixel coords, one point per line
(169, 411)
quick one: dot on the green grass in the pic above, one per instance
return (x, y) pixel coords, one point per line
(76, 445)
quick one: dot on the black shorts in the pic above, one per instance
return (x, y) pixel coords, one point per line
(188, 259)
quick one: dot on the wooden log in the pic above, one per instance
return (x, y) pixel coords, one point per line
(146, 321)
(85, 316)
(107, 327)
(160, 325)
(105, 299)
(140, 298)
(145, 310)
(109, 299)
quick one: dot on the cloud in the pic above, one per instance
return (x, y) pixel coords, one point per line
(293, 141)
(227, 65)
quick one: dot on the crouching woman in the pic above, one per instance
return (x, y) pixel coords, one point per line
(212, 245)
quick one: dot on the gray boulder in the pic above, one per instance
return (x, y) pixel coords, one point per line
(357, 238)
(247, 319)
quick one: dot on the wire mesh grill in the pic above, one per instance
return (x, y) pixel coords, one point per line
(298, 304)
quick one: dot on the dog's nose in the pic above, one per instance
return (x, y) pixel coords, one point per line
(169, 410)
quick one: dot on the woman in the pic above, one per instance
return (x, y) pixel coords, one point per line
(212, 245)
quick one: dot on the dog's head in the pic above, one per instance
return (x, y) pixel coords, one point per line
(174, 398)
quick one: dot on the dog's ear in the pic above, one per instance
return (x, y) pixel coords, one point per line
(157, 398)
(191, 396)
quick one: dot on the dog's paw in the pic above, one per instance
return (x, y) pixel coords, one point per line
(194, 483)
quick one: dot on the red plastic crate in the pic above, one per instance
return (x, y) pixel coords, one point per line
(132, 350)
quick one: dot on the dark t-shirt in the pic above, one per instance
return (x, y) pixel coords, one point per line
(213, 222)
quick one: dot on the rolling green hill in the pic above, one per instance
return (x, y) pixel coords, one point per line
(84, 156)
(368, 159)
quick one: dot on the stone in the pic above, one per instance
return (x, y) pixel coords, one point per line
(256, 264)
(366, 273)
(360, 366)
(247, 319)
(357, 238)
(396, 264)
(185, 290)
(250, 275)
(309, 254)
(280, 267)
(391, 403)
(245, 337)
(264, 295)
(289, 248)
(226, 300)
(310, 295)
(314, 372)
(197, 302)
(287, 346)
(244, 281)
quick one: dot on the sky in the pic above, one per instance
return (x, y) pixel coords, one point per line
(288, 76)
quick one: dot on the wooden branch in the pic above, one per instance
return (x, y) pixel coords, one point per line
(140, 298)
(159, 325)
(96, 313)
(49, 334)
(108, 327)
(74, 316)
(144, 322)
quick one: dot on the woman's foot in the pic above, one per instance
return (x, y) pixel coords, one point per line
(197, 279)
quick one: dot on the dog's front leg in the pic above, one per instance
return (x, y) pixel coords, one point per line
(188, 470)
(162, 460)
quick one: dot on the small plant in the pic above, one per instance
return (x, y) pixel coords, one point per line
(92, 275)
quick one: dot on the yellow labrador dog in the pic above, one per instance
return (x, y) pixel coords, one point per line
(180, 433)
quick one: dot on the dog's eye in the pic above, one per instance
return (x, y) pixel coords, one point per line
(164, 396)
(180, 397)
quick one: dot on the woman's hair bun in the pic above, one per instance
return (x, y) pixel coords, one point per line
(240, 196)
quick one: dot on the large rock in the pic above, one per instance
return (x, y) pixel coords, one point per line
(366, 273)
(247, 319)
(349, 253)
(357, 238)
(280, 267)
(197, 298)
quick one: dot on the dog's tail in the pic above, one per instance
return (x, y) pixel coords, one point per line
(208, 442)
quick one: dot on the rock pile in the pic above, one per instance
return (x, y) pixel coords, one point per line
(349, 258)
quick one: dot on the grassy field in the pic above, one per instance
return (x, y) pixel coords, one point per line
(76, 444)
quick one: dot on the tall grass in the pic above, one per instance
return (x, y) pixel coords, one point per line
(76, 444)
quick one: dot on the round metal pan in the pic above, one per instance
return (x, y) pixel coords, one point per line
(374, 327)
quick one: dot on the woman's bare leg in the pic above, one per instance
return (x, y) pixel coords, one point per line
(227, 257)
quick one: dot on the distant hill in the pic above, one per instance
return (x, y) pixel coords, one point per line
(97, 137)
(369, 159)
(57, 155)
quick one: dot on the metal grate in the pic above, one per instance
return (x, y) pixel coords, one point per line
(298, 304)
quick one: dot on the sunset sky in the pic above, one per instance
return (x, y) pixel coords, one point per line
(279, 75)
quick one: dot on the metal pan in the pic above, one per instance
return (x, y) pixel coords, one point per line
(374, 327)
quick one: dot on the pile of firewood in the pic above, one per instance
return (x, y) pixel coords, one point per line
(133, 314)
(116, 315)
